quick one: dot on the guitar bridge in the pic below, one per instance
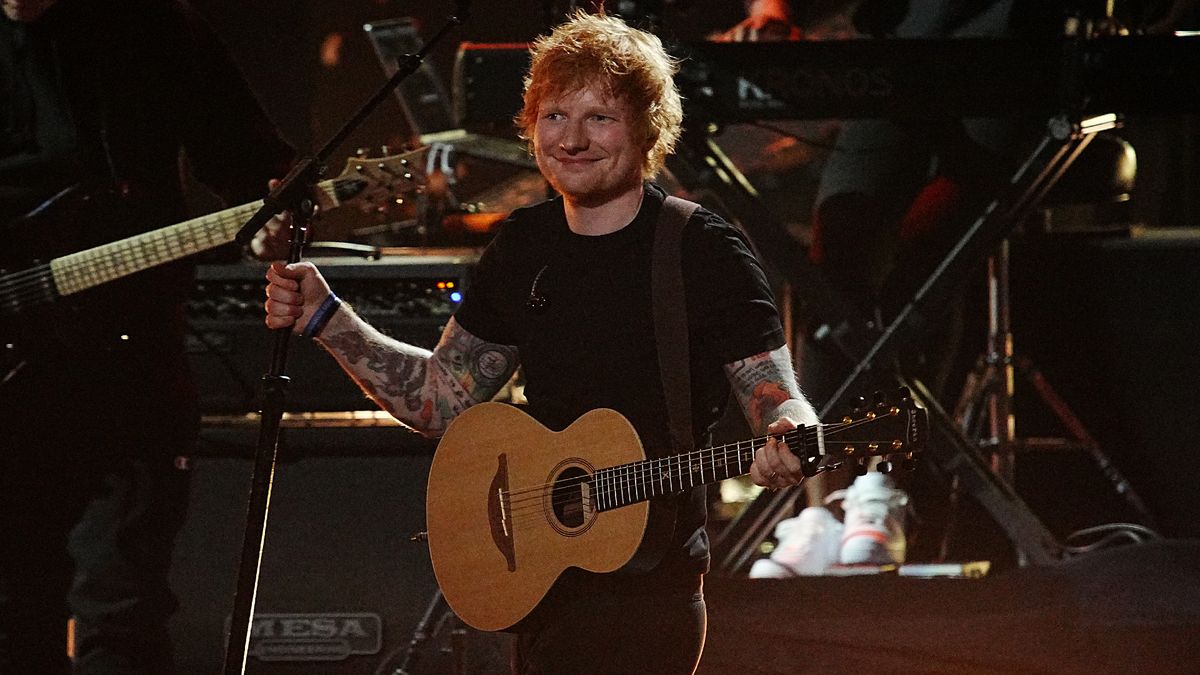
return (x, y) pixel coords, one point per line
(500, 513)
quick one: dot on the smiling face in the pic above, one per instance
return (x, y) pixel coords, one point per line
(26, 10)
(617, 66)
(587, 145)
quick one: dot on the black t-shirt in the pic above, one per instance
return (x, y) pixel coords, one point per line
(593, 346)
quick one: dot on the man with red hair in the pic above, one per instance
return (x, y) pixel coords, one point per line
(564, 290)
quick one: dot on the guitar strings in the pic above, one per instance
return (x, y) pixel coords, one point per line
(22, 290)
(639, 481)
(31, 283)
(523, 517)
(829, 429)
(564, 492)
(567, 491)
(682, 461)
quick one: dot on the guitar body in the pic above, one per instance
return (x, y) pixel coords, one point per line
(507, 513)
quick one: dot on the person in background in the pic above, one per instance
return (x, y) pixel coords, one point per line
(97, 100)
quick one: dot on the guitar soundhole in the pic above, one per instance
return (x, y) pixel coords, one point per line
(568, 496)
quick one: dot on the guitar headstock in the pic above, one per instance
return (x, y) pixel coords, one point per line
(374, 183)
(894, 429)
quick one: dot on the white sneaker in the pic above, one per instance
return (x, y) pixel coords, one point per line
(807, 546)
(874, 522)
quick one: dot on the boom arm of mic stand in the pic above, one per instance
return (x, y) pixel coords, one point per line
(292, 193)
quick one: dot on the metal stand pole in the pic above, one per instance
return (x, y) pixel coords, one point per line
(989, 390)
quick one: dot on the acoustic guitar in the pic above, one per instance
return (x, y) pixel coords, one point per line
(511, 505)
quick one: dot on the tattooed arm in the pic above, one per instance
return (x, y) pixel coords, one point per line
(766, 388)
(422, 389)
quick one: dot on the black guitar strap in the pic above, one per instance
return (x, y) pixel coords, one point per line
(670, 317)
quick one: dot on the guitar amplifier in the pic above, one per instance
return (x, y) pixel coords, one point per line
(407, 293)
(342, 587)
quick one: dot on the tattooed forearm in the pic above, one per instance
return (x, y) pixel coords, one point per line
(391, 377)
(766, 388)
(421, 388)
(386, 374)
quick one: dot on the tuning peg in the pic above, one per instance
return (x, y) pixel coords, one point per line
(885, 466)
(858, 466)
(880, 398)
(860, 403)
(903, 394)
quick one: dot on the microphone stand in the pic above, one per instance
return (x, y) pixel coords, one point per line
(293, 193)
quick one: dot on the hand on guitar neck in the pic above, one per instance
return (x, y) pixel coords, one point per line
(775, 465)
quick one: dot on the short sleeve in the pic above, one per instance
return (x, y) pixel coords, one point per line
(731, 308)
(480, 313)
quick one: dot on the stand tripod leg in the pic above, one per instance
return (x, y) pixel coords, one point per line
(12, 372)
(972, 401)
(421, 635)
(969, 411)
(1075, 427)
(1001, 423)
(962, 460)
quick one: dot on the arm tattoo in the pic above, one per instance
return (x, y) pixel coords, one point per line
(766, 388)
(423, 389)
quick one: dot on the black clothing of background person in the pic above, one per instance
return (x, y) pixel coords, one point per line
(105, 95)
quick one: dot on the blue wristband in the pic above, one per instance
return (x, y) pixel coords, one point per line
(322, 316)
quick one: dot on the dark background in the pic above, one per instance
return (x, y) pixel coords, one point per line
(1111, 321)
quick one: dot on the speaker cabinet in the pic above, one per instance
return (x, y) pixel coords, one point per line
(342, 585)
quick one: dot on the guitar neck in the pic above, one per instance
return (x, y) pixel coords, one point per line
(95, 266)
(627, 484)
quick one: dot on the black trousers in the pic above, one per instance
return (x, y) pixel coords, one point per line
(660, 633)
(90, 503)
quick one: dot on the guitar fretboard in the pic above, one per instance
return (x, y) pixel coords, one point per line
(86, 269)
(626, 484)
